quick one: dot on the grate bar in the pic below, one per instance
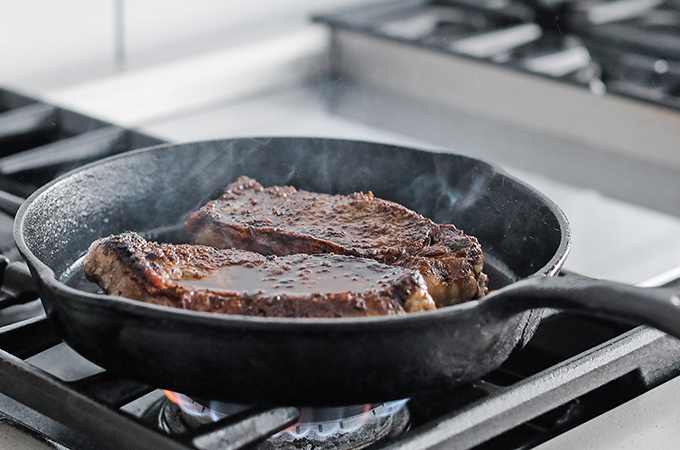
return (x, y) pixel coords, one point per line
(10, 203)
(110, 389)
(78, 149)
(239, 431)
(46, 394)
(18, 286)
(28, 119)
(536, 395)
(28, 337)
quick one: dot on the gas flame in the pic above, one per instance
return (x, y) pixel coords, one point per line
(319, 424)
(215, 411)
(340, 425)
(172, 396)
(190, 406)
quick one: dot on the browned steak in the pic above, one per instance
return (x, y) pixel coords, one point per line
(204, 278)
(284, 221)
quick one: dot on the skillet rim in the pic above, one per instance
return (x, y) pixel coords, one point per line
(48, 277)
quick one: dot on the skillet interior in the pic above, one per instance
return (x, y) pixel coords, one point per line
(158, 189)
(521, 232)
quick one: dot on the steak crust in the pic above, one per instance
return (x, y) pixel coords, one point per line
(204, 278)
(282, 220)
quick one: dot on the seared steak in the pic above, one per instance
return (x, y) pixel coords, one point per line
(204, 278)
(284, 221)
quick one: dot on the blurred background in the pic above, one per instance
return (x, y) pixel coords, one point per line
(47, 46)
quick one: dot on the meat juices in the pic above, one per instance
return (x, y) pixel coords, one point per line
(282, 220)
(204, 278)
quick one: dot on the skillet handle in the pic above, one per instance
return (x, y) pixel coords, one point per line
(656, 307)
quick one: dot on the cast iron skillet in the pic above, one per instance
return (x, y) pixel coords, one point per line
(308, 361)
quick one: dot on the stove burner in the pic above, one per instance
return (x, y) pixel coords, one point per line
(338, 428)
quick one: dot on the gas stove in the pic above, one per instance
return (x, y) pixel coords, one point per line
(53, 394)
(577, 378)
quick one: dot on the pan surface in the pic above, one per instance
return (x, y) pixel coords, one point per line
(274, 360)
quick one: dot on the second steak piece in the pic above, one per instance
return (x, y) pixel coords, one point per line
(282, 220)
(203, 278)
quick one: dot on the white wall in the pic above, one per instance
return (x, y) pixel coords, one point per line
(40, 38)
(48, 44)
